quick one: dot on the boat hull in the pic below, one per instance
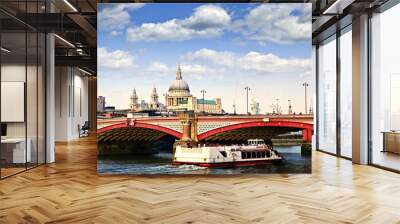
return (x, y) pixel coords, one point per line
(230, 164)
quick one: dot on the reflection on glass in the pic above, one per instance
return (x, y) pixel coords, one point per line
(385, 84)
(327, 96)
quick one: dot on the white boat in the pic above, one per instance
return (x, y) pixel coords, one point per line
(256, 152)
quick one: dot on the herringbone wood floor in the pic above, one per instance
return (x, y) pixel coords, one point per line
(70, 191)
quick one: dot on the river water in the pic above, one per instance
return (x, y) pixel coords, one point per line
(161, 164)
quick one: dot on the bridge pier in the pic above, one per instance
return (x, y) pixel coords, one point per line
(189, 121)
(186, 130)
(307, 135)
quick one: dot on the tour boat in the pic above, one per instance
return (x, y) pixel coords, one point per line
(256, 152)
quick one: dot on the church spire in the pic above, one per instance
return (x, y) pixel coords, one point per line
(179, 73)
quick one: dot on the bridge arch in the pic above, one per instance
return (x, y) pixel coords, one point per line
(155, 127)
(305, 127)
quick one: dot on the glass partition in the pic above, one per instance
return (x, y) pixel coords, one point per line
(385, 89)
(346, 93)
(22, 88)
(13, 95)
(327, 95)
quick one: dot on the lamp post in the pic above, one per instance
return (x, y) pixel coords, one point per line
(305, 84)
(247, 98)
(203, 92)
(290, 107)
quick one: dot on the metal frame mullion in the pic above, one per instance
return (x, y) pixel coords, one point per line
(37, 91)
(26, 87)
(338, 81)
(369, 78)
(316, 97)
(0, 93)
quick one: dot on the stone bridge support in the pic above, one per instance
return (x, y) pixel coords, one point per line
(307, 135)
(189, 121)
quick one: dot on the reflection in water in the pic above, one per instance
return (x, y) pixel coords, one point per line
(161, 164)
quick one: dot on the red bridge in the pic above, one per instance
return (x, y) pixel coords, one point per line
(204, 128)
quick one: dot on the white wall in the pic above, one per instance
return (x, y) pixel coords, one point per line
(71, 102)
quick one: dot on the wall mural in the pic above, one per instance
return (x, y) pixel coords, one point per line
(204, 88)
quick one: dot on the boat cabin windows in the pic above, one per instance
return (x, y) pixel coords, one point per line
(255, 154)
(255, 141)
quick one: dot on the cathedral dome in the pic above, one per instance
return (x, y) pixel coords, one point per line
(179, 84)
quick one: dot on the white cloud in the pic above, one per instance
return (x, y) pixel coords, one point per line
(116, 16)
(207, 21)
(252, 61)
(158, 67)
(276, 23)
(196, 70)
(115, 33)
(189, 69)
(115, 59)
(270, 63)
(218, 57)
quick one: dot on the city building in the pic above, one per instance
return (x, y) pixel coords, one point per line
(211, 106)
(101, 103)
(134, 106)
(152, 105)
(179, 98)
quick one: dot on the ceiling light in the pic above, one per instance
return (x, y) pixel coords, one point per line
(5, 50)
(84, 71)
(64, 40)
(70, 5)
(337, 7)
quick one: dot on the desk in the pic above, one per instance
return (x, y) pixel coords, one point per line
(13, 150)
(391, 141)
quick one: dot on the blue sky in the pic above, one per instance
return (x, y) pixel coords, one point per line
(221, 48)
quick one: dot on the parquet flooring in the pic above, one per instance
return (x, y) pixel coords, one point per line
(70, 191)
